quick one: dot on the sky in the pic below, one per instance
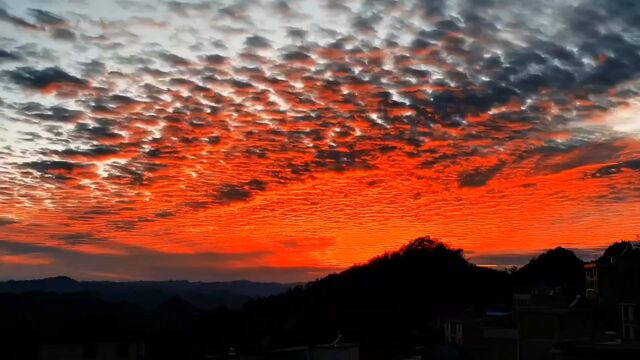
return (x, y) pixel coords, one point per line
(284, 140)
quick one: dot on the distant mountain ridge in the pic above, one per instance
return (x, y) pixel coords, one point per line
(150, 294)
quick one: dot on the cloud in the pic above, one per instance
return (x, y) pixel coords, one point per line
(17, 21)
(230, 193)
(63, 34)
(53, 113)
(33, 261)
(47, 18)
(7, 221)
(257, 41)
(32, 78)
(82, 238)
(479, 177)
(7, 56)
(633, 165)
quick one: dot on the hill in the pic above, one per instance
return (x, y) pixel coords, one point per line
(558, 267)
(150, 294)
(387, 305)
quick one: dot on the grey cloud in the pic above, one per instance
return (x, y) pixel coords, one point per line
(55, 114)
(7, 56)
(63, 34)
(32, 78)
(257, 41)
(17, 21)
(46, 17)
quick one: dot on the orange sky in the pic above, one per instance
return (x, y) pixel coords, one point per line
(286, 159)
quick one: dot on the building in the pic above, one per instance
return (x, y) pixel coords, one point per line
(541, 328)
(613, 283)
(487, 335)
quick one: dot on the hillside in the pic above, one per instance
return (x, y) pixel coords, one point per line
(150, 294)
(391, 303)
(388, 305)
(558, 267)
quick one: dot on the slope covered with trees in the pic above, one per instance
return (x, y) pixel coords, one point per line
(389, 304)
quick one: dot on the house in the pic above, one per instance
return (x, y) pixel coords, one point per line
(541, 328)
(490, 335)
(613, 283)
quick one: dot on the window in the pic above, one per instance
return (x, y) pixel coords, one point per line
(629, 333)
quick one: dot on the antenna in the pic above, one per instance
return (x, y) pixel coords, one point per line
(337, 340)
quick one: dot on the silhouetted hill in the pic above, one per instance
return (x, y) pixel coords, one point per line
(558, 267)
(625, 249)
(392, 302)
(388, 305)
(50, 316)
(149, 294)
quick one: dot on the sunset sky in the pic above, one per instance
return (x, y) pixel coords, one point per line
(284, 140)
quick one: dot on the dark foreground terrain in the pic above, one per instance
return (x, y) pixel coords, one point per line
(423, 301)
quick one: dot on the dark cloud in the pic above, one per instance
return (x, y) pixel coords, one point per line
(45, 166)
(338, 160)
(6, 56)
(174, 60)
(17, 21)
(96, 151)
(614, 169)
(228, 193)
(296, 56)
(165, 214)
(63, 34)
(214, 59)
(32, 78)
(257, 41)
(479, 177)
(237, 11)
(59, 170)
(82, 238)
(337, 5)
(55, 114)
(44, 17)
(296, 33)
(183, 8)
(7, 221)
(101, 130)
(557, 159)
(368, 23)
(93, 68)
